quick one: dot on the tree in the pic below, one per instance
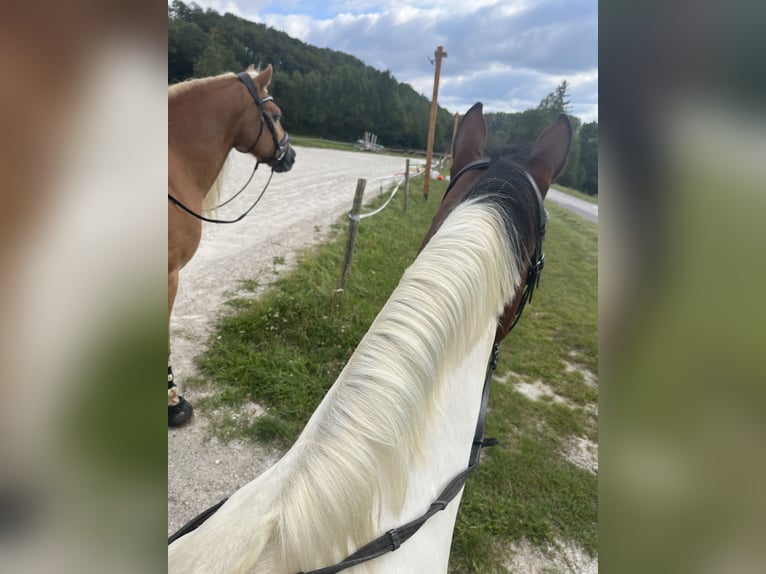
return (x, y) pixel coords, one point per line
(217, 58)
(589, 157)
(557, 101)
(322, 92)
(186, 44)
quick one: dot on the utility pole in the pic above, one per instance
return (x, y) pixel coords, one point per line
(440, 53)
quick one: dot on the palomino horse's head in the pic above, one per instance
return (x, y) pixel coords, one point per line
(529, 180)
(261, 131)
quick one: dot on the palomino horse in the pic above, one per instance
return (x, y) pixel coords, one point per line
(208, 118)
(398, 430)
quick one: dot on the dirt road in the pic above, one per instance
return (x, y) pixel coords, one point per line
(296, 211)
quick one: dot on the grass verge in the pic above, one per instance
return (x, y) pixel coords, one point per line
(309, 141)
(575, 193)
(285, 349)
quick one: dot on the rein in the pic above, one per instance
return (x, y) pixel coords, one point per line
(280, 149)
(241, 217)
(394, 538)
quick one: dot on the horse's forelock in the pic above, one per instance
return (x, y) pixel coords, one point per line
(505, 184)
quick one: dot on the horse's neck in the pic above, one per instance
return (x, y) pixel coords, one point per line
(203, 120)
(392, 431)
(448, 446)
(233, 538)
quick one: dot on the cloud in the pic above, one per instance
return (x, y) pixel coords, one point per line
(509, 53)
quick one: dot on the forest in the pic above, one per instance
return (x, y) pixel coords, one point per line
(329, 94)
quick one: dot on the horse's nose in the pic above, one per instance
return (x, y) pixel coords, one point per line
(287, 161)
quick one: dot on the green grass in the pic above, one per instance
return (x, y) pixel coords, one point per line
(308, 141)
(285, 349)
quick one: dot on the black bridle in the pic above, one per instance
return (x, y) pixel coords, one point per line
(280, 146)
(276, 160)
(394, 538)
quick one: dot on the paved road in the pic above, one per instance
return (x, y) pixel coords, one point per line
(582, 208)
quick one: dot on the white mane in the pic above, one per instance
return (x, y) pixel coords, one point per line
(322, 500)
(213, 196)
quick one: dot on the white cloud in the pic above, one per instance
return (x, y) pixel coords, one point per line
(296, 25)
(509, 54)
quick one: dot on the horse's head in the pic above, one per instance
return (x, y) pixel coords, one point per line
(262, 133)
(530, 181)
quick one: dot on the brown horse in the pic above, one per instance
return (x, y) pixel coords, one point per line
(387, 452)
(207, 118)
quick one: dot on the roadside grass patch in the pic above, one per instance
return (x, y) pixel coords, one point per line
(285, 348)
(307, 141)
(575, 193)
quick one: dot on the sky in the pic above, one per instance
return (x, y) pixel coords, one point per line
(507, 54)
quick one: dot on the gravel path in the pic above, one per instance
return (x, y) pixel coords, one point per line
(295, 212)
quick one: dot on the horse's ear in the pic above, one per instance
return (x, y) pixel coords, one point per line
(264, 78)
(470, 139)
(549, 153)
(250, 68)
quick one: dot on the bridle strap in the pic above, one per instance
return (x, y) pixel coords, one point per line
(479, 441)
(482, 163)
(280, 147)
(195, 522)
(538, 258)
(245, 78)
(394, 538)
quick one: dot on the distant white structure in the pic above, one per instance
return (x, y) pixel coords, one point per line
(369, 142)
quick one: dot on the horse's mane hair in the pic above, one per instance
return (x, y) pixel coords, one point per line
(213, 196)
(369, 430)
(193, 83)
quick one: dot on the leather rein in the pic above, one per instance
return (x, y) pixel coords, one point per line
(280, 149)
(394, 538)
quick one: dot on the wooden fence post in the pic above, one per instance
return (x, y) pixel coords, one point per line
(353, 224)
(406, 183)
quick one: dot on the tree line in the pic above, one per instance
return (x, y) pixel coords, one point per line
(581, 171)
(333, 95)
